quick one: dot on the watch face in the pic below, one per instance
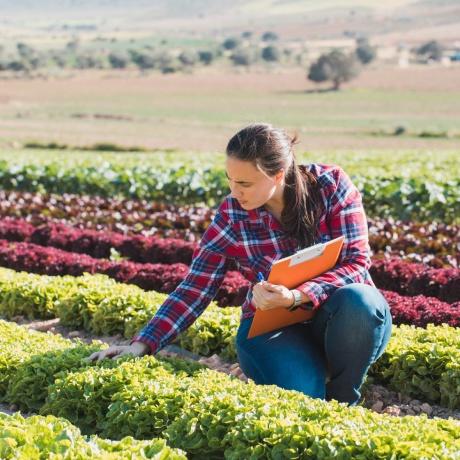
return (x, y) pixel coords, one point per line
(298, 297)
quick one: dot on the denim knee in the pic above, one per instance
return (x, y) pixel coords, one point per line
(363, 315)
(360, 300)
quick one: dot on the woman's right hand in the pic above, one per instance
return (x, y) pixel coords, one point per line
(115, 351)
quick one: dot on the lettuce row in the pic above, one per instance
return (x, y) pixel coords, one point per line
(211, 415)
(404, 198)
(38, 437)
(423, 363)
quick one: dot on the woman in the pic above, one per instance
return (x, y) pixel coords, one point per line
(275, 208)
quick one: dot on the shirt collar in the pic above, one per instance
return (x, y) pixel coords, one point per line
(258, 215)
(262, 215)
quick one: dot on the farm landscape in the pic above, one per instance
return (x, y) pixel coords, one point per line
(107, 183)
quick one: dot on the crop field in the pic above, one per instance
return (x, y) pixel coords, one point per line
(93, 242)
(110, 177)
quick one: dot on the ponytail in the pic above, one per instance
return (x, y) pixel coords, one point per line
(302, 204)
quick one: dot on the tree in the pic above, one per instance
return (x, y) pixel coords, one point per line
(18, 66)
(143, 60)
(271, 54)
(242, 57)
(230, 43)
(118, 60)
(364, 51)
(334, 66)
(25, 51)
(88, 61)
(431, 50)
(206, 57)
(166, 62)
(29, 57)
(247, 34)
(188, 58)
(269, 36)
(58, 58)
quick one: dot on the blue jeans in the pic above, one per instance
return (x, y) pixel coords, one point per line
(326, 357)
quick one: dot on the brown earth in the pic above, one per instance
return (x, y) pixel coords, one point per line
(200, 111)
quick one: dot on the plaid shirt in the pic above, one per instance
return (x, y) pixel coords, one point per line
(254, 239)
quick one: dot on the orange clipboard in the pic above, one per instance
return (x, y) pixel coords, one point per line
(292, 271)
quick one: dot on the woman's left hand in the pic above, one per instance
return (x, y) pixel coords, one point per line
(266, 296)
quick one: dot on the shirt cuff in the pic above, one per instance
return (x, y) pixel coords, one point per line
(153, 346)
(314, 291)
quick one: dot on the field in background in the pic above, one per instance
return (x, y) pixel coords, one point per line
(199, 112)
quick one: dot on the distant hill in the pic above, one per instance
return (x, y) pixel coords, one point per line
(158, 8)
(389, 20)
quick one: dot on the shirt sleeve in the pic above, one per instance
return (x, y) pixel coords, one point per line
(191, 297)
(346, 217)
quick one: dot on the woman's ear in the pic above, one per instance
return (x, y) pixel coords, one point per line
(279, 177)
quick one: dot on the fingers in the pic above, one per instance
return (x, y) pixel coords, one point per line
(100, 355)
(94, 356)
(109, 353)
(272, 287)
(256, 298)
(269, 287)
(123, 353)
(267, 295)
(260, 300)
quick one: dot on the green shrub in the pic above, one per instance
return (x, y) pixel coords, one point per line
(423, 363)
(50, 437)
(18, 345)
(212, 415)
(83, 397)
(28, 387)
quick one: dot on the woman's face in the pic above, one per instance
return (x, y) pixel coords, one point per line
(249, 185)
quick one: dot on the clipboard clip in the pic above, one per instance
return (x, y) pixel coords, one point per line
(307, 254)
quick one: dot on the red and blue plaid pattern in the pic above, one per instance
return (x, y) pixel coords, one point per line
(254, 240)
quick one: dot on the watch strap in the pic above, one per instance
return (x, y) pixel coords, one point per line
(297, 299)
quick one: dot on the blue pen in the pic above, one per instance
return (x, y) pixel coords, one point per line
(260, 277)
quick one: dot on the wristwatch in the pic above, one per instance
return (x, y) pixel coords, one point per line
(297, 299)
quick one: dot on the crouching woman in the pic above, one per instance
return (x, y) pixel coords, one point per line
(275, 208)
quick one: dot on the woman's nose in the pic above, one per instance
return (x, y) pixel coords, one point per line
(235, 193)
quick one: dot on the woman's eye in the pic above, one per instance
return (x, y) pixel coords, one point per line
(242, 185)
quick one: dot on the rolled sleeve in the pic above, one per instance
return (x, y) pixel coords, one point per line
(189, 300)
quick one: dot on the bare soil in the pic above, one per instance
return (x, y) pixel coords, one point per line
(200, 111)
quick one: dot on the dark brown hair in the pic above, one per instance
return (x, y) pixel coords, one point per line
(271, 149)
